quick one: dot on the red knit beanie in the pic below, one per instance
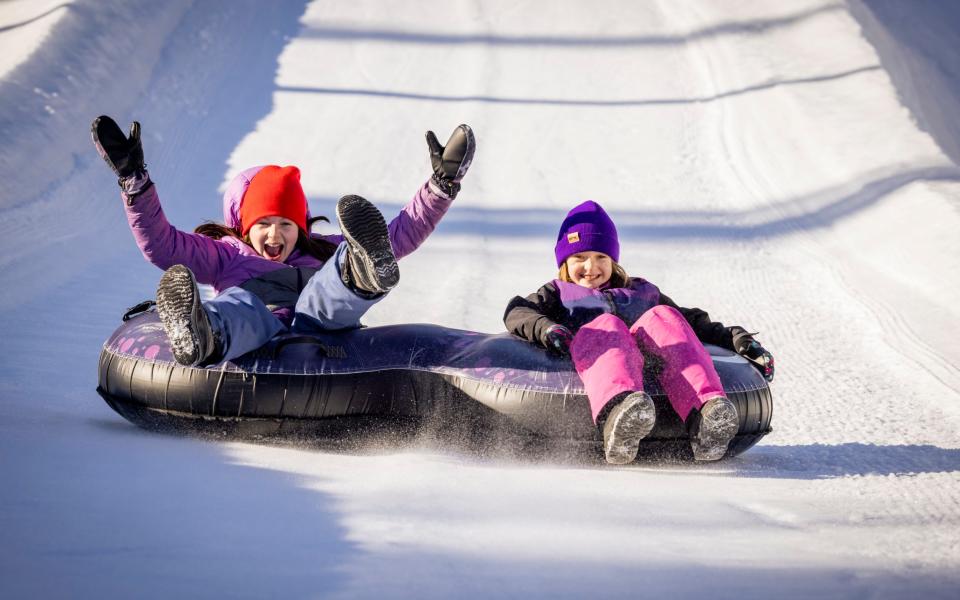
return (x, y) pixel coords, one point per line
(274, 192)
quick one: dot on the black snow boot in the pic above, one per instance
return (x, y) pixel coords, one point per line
(370, 266)
(629, 421)
(712, 428)
(184, 319)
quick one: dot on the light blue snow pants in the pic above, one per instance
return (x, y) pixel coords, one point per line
(245, 323)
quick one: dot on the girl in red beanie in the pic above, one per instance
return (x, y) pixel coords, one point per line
(607, 321)
(270, 273)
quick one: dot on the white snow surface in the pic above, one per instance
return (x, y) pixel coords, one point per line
(781, 164)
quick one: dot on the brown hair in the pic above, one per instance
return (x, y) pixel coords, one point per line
(318, 248)
(618, 279)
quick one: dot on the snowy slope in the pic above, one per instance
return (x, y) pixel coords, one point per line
(770, 162)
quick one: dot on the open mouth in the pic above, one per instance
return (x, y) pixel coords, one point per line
(273, 251)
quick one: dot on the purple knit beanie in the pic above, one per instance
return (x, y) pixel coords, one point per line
(587, 228)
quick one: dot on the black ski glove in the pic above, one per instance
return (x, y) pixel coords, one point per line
(758, 356)
(557, 340)
(450, 162)
(123, 154)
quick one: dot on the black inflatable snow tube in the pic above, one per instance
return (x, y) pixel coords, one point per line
(332, 384)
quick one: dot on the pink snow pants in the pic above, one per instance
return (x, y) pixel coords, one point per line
(608, 359)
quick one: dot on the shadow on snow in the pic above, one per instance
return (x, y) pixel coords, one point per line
(394, 36)
(773, 83)
(826, 461)
(813, 211)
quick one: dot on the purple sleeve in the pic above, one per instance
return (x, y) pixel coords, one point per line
(164, 245)
(417, 220)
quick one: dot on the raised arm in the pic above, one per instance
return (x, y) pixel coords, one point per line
(417, 219)
(164, 245)
(450, 163)
(420, 216)
(161, 244)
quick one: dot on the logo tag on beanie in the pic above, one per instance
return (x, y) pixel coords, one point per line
(573, 238)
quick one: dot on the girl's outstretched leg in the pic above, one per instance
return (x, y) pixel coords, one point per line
(607, 360)
(242, 320)
(611, 367)
(327, 303)
(230, 325)
(689, 379)
(359, 274)
(185, 322)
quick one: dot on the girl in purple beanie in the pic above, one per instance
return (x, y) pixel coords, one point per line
(606, 321)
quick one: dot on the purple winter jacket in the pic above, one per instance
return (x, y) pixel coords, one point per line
(229, 262)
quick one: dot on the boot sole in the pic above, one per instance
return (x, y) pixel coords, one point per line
(178, 304)
(717, 428)
(366, 232)
(633, 423)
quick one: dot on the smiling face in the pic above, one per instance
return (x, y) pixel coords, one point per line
(274, 238)
(589, 269)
